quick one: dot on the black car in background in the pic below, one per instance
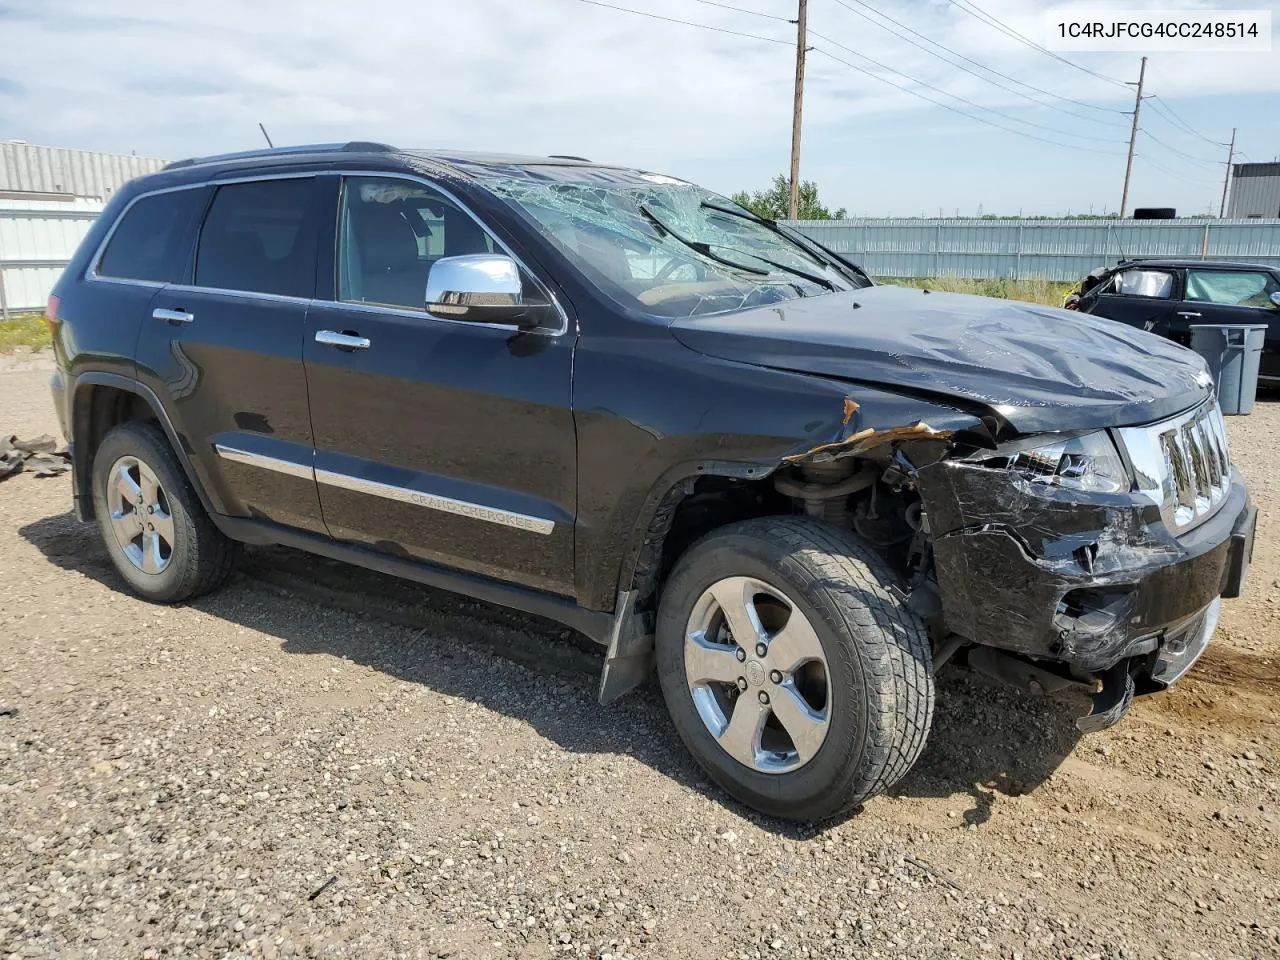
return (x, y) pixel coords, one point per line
(618, 400)
(1168, 296)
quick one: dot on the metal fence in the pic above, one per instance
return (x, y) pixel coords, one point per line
(1036, 249)
(37, 238)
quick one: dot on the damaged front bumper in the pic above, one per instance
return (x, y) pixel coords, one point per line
(1096, 582)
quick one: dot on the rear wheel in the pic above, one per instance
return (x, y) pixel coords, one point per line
(794, 677)
(158, 535)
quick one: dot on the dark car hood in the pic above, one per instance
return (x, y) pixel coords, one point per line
(1037, 368)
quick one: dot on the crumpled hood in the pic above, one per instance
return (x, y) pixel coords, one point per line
(1037, 368)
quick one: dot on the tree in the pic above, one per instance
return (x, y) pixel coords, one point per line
(773, 202)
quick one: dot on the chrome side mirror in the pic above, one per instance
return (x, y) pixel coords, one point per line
(1275, 299)
(481, 288)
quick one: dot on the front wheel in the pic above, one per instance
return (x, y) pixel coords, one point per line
(792, 674)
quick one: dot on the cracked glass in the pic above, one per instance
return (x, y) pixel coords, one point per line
(661, 246)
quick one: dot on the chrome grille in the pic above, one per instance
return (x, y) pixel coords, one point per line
(1182, 464)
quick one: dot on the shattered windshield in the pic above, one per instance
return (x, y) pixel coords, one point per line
(670, 248)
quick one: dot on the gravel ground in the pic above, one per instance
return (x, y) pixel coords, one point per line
(318, 761)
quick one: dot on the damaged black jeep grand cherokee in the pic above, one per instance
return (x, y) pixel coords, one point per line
(620, 401)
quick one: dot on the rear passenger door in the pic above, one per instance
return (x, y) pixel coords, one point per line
(442, 440)
(223, 349)
(1231, 297)
(1141, 297)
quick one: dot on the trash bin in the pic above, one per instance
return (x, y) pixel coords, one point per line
(1232, 352)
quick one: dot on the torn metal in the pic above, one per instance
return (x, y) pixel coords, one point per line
(868, 439)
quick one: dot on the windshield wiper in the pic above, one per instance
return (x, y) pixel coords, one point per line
(808, 244)
(698, 246)
(705, 250)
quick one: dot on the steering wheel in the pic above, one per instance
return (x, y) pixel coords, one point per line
(666, 273)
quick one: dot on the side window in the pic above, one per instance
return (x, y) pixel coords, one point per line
(259, 238)
(1142, 283)
(1235, 288)
(390, 234)
(153, 239)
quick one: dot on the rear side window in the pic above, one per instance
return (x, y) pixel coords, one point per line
(260, 238)
(1235, 288)
(153, 239)
(1143, 283)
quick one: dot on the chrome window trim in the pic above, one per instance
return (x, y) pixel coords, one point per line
(245, 294)
(91, 271)
(409, 311)
(288, 467)
(461, 508)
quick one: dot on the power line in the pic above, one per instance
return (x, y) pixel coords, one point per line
(1177, 176)
(1166, 111)
(982, 16)
(980, 66)
(754, 13)
(954, 96)
(946, 106)
(1212, 163)
(687, 23)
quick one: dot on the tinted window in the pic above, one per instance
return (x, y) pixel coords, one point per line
(392, 231)
(1143, 283)
(153, 239)
(1236, 288)
(258, 237)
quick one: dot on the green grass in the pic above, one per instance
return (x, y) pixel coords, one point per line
(1031, 291)
(24, 330)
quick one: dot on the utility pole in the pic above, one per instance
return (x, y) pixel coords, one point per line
(802, 23)
(1231, 152)
(1133, 138)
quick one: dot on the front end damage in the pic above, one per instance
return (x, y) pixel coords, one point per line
(1043, 585)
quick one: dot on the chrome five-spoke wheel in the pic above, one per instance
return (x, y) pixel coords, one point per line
(140, 515)
(758, 675)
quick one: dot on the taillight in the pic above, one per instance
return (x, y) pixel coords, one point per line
(51, 310)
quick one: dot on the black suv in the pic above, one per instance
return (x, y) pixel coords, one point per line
(615, 399)
(1169, 296)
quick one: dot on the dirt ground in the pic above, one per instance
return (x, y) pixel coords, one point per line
(322, 761)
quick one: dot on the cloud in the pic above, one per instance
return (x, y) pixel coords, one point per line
(560, 76)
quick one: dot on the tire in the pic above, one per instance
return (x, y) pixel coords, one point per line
(199, 557)
(879, 694)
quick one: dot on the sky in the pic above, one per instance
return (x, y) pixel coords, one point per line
(190, 77)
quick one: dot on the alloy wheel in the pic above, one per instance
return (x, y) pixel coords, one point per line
(758, 675)
(140, 515)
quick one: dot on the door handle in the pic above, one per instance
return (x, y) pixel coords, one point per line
(344, 341)
(1187, 313)
(172, 316)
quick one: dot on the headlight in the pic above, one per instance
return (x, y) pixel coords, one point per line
(1089, 463)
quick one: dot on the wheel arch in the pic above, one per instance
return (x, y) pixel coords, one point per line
(100, 401)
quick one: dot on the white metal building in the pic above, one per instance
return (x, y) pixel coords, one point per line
(1255, 191)
(49, 196)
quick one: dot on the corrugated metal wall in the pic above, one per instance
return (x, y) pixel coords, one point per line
(82, 173)
(1036, 249)
(1257, 195)
(37, 238)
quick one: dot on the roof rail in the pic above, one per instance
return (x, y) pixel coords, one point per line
(566, 156)
(353, 146)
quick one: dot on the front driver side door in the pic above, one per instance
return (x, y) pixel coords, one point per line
(446, 441)
(1140, 297)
